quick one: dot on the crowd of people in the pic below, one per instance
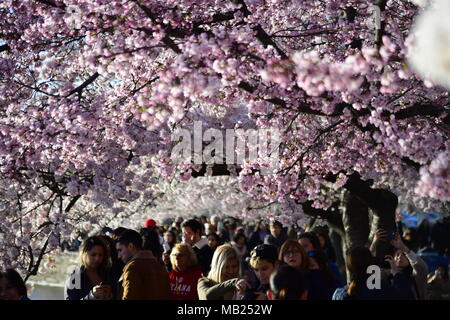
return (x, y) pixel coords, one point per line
(224, 259)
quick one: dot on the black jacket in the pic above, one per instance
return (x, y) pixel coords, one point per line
(277, 242)
(78, 286)
(204, 255)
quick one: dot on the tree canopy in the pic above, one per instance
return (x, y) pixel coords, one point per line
(91, 92)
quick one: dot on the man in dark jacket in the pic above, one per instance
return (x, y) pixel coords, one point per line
(277, 235)
(192, 234)
(143, 277)
(258, 235)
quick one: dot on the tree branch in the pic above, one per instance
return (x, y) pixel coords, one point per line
(5, 47)
(169, 31)
(35, 268)
(72, 203)
(82, 86)
(51, 3)
(420, 110)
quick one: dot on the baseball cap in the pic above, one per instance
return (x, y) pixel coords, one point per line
(150, 223)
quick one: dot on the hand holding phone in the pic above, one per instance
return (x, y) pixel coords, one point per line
(103, 290)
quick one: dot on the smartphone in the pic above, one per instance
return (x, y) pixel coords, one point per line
(390, 235)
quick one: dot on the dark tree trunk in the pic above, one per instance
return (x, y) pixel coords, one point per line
(337, 243)
(355, 217)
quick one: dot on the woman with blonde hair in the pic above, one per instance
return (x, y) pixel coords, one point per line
(92, 280)
(223, 282)
(185, 272)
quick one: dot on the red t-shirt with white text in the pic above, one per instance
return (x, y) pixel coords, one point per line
(183, 284)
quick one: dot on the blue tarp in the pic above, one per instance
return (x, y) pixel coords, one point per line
(414, 220)
(432, 259)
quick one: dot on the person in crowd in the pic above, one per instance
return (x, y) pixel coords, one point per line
(214, 240)
(277, 234)
(292, 231)
(232, 227)
(207, 228)
(93, 279)
(312, 245)
(409, 236)
(439, 236)
(192, 234)
(152, 225)
(309, 241)
(169, 242)
(264, 261)
(319, 279)
(322, 234)
(203, 219)
(258, 235)
(12, 286)
(185, 272)
(439, 283)
(143, 278)
(323, 278)
(177, 223)
(287, 283)
(177, 233)
(412, 267)
(293, 254)
(170, 239)
(223, 282)
(359, 259)
(239, 244)
(214, 223)
(224, 230)
(151, 242)
(116, 264)
(423, 234)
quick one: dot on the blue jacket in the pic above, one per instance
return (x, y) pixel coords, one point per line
(337, 273)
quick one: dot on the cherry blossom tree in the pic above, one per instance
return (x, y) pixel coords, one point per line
(92, 91)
